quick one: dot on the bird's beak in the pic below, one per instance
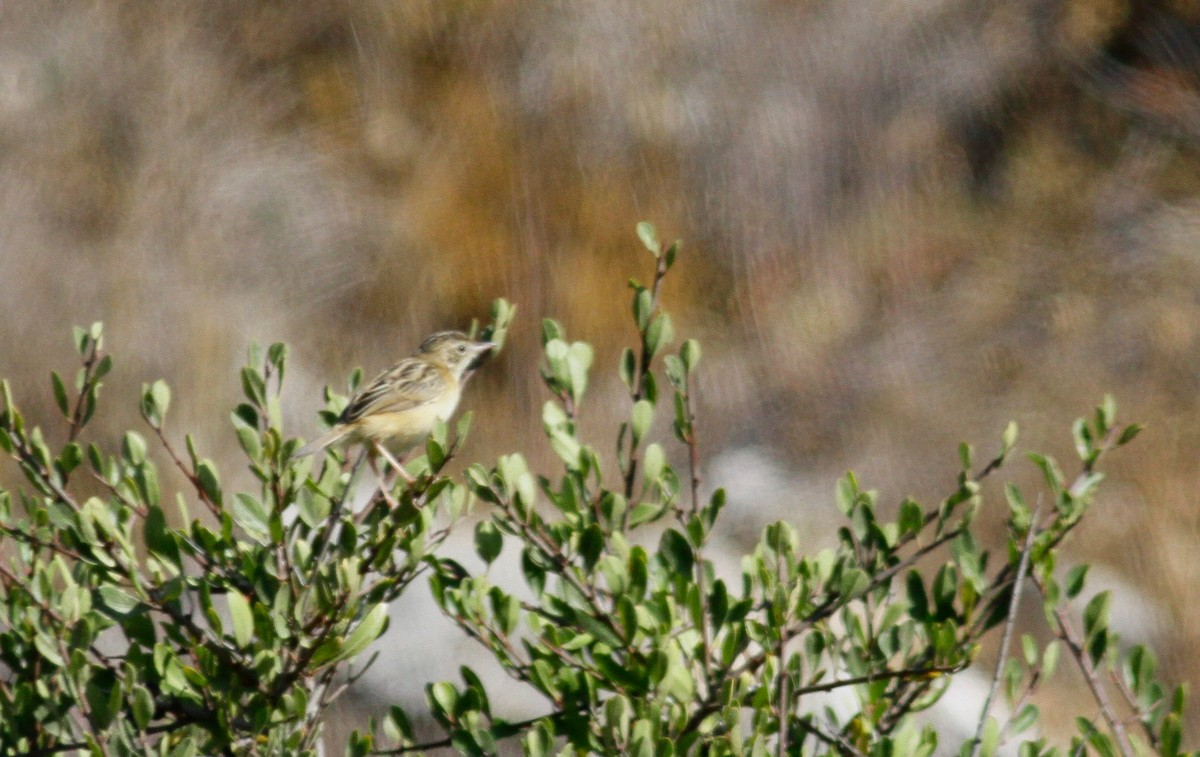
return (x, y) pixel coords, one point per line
(481, 352)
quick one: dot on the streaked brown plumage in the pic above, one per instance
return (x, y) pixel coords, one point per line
(400, 406)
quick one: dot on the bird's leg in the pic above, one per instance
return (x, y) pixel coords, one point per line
(384, 486)
(395, 463)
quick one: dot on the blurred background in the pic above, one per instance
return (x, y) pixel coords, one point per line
(903, 224)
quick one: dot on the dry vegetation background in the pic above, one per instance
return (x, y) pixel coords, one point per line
(905, 222)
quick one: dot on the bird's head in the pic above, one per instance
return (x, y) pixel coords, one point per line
(455, 350)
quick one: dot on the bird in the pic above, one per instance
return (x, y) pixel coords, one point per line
(400, 406)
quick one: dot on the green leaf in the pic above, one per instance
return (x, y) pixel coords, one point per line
(247, 436)
(117, 601)
(659, 333)
(551, 330)
(653, 462)
(366, 632)
(539, 741)
(643, 416)
(918, 600)
(643, 308)
(911, 518)
(676, 373)
(277, 357)
(1075, 580)
(1095, 615)
(1027, 717)
(156, 398)
(70, 459)
(313, 508)
(627, 367)
(1009, 438)
(133, 448)
(488, 541)
(1029, 648)
(103, 694)
(1083, 439)
(159, 539)
(243, 618)
(142, 706)
(1050, 658)
(329, 651)
(80, 340)
(1106, 414)
(846, 493)
(690, 354)
(591, 545)
(1100, 741)
(671, 253)
(1128, 435)
(102, 368)
(444, 697)
(677, 682)
(649, 237)
(47, 649)
(60, 394)
(991, 737)
(676, 552)
(210, 485)
(252, 516)
(397, 725)
(579, 361)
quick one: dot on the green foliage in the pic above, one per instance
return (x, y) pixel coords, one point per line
(215, 624)
(227, 621)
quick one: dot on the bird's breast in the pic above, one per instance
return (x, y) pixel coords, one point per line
(407, 428)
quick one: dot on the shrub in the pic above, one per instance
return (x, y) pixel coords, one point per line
(211, 621)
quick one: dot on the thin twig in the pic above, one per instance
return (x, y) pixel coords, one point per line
(1067, 633)
(1131, 700)
(89, 362)
(190, 475)
(1006, 637)
(833, 739)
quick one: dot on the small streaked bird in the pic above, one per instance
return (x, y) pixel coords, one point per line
(399, 408)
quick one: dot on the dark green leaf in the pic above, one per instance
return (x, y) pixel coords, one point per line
(676, 553)
(1128, 434)
(159, 539)
(627, 367)
(142, 706)
(60, 393)
(591, 545)
(103, 696)
(911, 518)
(488, 541)
(1075, 580)
(210, 485)
(1095, 615)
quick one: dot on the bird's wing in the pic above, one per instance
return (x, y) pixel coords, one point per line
(407, 384)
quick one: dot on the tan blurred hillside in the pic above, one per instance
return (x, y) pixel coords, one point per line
(904, 222)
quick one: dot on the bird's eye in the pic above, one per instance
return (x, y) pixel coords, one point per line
(462, 348)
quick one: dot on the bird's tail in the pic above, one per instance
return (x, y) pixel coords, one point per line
(322, 441)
